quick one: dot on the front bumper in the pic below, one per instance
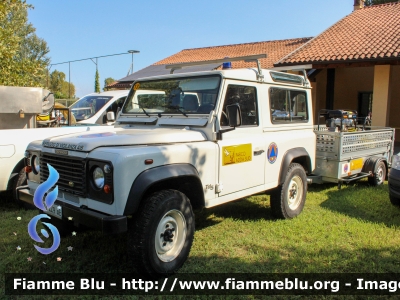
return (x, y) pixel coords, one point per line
(84, 216)
(394, 182)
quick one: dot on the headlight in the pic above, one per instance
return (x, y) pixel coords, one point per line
(107, 168)
(396, 162)
(35, 163)
(98, 177)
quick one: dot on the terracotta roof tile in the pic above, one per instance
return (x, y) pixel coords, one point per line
(371, 32)
(275, 50)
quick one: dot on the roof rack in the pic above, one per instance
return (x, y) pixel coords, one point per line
(247, 58)
(300, 68)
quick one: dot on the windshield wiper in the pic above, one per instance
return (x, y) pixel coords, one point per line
(141, 108)
(176, 108)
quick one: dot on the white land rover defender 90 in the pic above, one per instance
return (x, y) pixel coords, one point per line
(181, 142)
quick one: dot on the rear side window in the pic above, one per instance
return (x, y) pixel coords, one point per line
(288, 105)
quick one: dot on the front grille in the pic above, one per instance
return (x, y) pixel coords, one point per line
(72, 172)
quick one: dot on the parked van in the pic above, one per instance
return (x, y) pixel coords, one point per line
(89, 110)
(93, 108)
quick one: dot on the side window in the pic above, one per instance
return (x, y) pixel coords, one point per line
(246, 97)
(117, 105)
(288, 105)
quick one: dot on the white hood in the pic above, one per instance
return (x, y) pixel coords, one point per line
(123, 137)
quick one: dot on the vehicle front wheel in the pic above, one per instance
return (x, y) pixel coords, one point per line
(160, 238)
(288, 200)
(379, 175)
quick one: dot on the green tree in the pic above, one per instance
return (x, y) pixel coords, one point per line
(61, 88)
(107, 82)
(376, 2)
(97, 82)
(68, 90)
(56, 80)
(23, 60)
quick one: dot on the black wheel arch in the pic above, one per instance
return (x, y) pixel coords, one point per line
(18, 167)
(180, 177)
(298, 155)
(371, 163)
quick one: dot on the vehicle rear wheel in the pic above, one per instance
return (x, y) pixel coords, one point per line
(288, 200)
(159, 240)
(395, 201)
(379, 175)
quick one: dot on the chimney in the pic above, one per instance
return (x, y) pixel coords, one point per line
(358, 4)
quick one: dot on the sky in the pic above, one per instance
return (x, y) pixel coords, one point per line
(77, 30)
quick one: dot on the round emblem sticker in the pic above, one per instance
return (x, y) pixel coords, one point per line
(272, 153)
(136, 86)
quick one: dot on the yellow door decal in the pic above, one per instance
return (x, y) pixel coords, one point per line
(236, 154)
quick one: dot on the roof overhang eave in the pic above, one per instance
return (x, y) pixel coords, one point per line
(380, 60)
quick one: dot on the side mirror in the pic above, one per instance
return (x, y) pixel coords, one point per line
(234, 115)
(110, 116)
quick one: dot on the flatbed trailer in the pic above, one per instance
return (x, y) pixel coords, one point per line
(345, 156)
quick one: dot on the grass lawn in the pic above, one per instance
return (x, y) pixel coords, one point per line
(354, 229)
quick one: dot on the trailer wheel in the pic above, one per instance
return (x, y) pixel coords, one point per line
(395, 201)
(159, 240)
(379, 174)
(288, 200)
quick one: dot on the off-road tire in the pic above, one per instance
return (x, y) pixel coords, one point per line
(162, 214)
(394, 200)
(288, 199)
(379, 175)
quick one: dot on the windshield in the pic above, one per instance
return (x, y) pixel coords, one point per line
(193, 95)
(88, 106)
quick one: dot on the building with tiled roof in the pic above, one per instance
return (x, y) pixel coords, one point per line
(369, 34)
(275, 50)
(357, 62)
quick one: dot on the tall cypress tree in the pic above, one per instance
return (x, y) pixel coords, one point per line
(97, 82)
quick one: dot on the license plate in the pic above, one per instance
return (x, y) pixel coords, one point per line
(356, 164)
(56, 211)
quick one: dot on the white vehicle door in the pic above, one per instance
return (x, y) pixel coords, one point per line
(242, 150)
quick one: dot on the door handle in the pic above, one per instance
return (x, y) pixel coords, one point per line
(259, 152)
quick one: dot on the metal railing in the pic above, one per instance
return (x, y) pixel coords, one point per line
(66, 102)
